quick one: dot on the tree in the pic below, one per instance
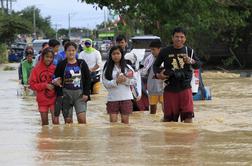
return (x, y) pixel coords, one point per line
(8, 5)
(63, 33)
(10, 26)
(207, 22)
(43, 25)
(2, 6)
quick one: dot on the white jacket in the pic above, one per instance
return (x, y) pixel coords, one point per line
(118, 92)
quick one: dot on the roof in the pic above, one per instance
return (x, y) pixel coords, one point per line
(40, 41)
(145, 37)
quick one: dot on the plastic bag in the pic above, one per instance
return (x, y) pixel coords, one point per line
(195, 81)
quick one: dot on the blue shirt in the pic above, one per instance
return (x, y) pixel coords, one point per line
(57, 59)
(62, 55)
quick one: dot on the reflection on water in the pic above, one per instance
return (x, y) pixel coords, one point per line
(220, 135)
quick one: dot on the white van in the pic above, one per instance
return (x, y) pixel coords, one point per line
(37, 45)
(140, 48)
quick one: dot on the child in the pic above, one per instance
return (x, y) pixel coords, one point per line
(24, 73)
(40, 81)
(55, 44)
(73, 83)
(26, 67)
(117, 78)
(154, 86)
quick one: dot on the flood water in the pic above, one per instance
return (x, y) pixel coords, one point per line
(220, 135)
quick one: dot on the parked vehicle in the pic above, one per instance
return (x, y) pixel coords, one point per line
(17, 52)
(97, 44)
(142, 42)
(37, 45)
(140, 48)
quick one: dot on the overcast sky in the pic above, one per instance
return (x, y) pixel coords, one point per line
(82, 15)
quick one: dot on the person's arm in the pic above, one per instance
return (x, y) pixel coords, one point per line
(158, 62)
(59, 73)
(98, 62)
(93, 69)
(197, 63)
(20, 73)
(146, 65)
(98, 59)
(108, 84)
(164, 74)
(130, 81)
(192, 59)
(86, 79)
(34, 84)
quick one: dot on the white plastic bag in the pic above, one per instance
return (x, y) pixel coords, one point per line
(195, 81)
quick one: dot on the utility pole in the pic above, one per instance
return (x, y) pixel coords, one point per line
(56, 30)
(69, 25)
(7, 6)
(11, 5)
(105, 26)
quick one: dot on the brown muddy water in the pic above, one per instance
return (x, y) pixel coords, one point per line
(220, 135)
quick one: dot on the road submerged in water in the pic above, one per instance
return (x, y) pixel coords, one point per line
(220, 135)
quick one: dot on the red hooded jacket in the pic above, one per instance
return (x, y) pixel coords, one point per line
(40, 76)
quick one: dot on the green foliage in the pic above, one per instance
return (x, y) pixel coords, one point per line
(228, 61)
(22, 23)
(84, 32)
(208, 21)
(63, 32)
(3, 53)
(10, 26)
(43, 25)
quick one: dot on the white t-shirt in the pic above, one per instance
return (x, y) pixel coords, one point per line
(92, 58)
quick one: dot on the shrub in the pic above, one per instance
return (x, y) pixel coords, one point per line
(3, 53)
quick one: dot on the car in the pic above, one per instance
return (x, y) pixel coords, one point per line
(97, 44)
(106, 45)
(140, 48)
(37, 45)
(142, 42)
(17, 51)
